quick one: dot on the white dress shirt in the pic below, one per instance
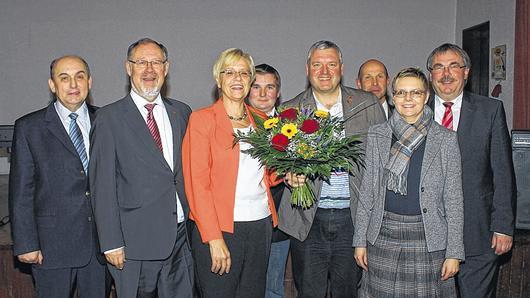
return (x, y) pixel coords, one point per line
(439, 110)
(251, 200)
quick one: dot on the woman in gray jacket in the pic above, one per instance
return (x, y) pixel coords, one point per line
(409, 223)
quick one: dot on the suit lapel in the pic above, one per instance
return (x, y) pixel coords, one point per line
(55, 126)
(176, 132)
(464, 123)
(384, 142)
(138, 126)
(432, 147)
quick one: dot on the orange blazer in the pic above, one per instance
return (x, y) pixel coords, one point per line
(210, 165)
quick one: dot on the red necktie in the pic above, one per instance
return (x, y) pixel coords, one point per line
(447, 119)
(151, 124)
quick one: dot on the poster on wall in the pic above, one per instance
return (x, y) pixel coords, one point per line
(498, 62)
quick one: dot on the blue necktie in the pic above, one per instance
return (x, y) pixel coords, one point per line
(77, 139)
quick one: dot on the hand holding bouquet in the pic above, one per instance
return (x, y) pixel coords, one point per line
(303, 141)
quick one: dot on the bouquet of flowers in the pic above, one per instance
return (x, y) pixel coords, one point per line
(303, 141)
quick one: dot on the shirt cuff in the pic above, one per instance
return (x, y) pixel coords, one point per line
(113, 250)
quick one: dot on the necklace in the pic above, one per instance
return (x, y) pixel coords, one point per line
(238, 118)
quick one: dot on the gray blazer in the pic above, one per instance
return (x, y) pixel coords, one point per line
(133, 188)
(487, 171)
(363, 110)
(441, 197)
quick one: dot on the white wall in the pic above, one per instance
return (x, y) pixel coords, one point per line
(278, 32)
(501, 15)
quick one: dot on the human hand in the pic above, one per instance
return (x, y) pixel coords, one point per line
(294, 180)
(116, 258)
(32, 257)
(501, 243)
(221, 261)
(449, 268)
(361, 257)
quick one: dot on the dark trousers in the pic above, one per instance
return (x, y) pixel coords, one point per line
(478, 276)
(249, 248)
(89, 281)
(326, 253)
(171, 277)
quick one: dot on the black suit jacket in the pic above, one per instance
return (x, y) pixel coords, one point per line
(487, 171)
(133, 188)
(49, 201)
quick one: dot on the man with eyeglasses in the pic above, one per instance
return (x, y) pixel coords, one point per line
(373, 77)
(322, 235)
(487, 168)
(49, 202)
(136, 181)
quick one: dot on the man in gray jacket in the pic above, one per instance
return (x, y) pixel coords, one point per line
(321, 243)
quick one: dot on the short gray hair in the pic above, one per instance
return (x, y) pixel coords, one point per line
(449, 47)
(146, 40)
(322, 45)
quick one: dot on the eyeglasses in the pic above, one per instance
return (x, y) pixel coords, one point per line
(230, 73)
(414, 94)
(157, 64)
(453, 67)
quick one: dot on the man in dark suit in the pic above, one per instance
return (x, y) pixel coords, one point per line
(373, 77)
(137, 185)
(322, 235)
(264, 95)
(487, 168)
(51, 217)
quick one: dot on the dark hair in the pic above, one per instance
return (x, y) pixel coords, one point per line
(449, 47)
(267, 69)
(54, 63)
(146, 40)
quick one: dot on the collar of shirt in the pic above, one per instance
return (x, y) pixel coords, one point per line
(385, 108)
(140, 103)
(272, 112)
(336, 109)
(439, 109)
(83, 120)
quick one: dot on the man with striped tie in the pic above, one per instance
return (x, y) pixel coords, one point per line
(49, 202)
(487, 169)
(137, 184)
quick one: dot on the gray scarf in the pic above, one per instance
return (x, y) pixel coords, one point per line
(409, 138)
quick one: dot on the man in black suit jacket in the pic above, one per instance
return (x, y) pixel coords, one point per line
(487, 168)
(137, 184)
(51, 217)
(373, 77)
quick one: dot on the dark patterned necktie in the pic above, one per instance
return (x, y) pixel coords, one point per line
(151, 124)
(77, 139)
(447, 119)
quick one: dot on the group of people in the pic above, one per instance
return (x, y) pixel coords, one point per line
(165, 200)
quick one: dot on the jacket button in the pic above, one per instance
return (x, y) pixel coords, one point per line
(424, 210)
(87, 193)
(82, 172)
(90, 218)
(422, 189)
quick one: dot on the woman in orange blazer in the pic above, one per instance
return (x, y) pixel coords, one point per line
(228, 191)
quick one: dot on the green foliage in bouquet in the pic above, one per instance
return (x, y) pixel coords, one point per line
(303, 141)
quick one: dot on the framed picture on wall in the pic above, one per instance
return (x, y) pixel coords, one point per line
(498, 62)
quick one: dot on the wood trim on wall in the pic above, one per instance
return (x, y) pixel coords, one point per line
(521, 85)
